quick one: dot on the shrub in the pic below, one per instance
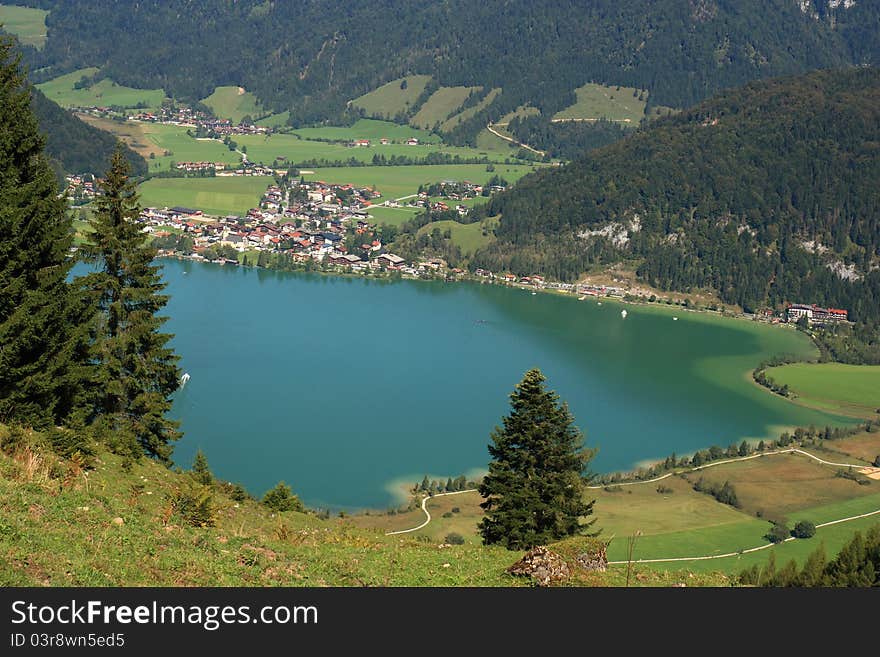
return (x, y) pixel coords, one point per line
(281, 498)
(778, 533)
(454, 539)
(664, 490)
(194, 504)
(804, 529)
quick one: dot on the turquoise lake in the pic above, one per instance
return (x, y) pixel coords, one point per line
(345, 387)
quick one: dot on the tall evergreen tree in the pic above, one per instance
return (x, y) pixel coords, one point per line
(535, 489)
(43, 319)
(201, 470)
(138, 372)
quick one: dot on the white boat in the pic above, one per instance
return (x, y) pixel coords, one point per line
(581, 298)
(675, 319)
(186, 377)
(623, 313)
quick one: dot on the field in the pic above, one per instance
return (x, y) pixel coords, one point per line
(275, 120)
(846, 389)
(468, 237)
(233, 103)
(390, 99)
(440, 105)
(266, 148)
(520, 112)
(470, 111)
(781, 486)
(595, 101)
(105, 93)
(393, 216)
(219, 196)
(863, 446)
(486, 141)
(396, 182)
(29, 25)
(368, 129)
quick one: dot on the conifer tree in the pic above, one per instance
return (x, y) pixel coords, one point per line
(535, 489)
(43, 319)
(200, 469)
(137, 370)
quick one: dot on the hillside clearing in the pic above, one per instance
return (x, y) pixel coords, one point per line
(29, 25)
(596, 101)
(233, 103)
(104, 93)
(391, 99)
(442, 103)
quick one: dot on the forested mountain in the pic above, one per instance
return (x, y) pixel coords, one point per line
(766, 193)
(313, 56)
(74, 146)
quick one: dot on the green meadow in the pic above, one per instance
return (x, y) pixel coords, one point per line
(29, 25)
(267, 148)
(104, 93)
(596, 101)
(390, 99)
(442, 103)
(845, 389)
(467, 237)
(275, 120)
(464, 115)
(218, 196)
(372, 129)
(233, 103)
(397, 182)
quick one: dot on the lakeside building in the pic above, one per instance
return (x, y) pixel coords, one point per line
(816, 315)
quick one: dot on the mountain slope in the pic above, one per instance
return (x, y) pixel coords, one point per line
(313, 57)
(766, 193)
(74, 146)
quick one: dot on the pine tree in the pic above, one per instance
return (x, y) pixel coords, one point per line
(44, 320)
(137, 370)
(200, 469)
(535, 489)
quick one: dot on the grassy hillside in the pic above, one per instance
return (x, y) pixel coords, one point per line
(442, 103)
(29, 25)
(368, 129)
(844, 389)
(467, 114)
(64, 522)
(596, 101)
(104, 93)
(233, 103)
(394, 97)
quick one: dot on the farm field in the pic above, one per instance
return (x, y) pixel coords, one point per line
(233, 103)
(29, 25)
(780, 486)
(266, 148)
(847, 389)
(396, 182)
(596, 101)
(390, 99)
(467, 237)
(275, 120)
(105, 93)
(392, 216)
(218, 196)
(863, 446)
(368, 129)
(440, 105)
(470, 111)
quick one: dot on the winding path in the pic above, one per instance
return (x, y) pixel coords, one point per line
(427, 514)
(792, 450)
(513, 141)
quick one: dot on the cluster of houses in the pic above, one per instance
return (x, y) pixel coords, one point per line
(815, 315)
(81, 188)
(181, 115)
(384, 141)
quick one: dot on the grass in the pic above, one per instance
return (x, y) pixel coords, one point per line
(389, 99)
(596, 101)
(846, 389)
(863, 446)
(523, 111)
(218, 196)
(266, 148)
(233, 103)
(442, 103)
(105, 93)
(275, 120)
(29, 25)
(393, 216)
(470, 111)
(468, 237)
(396, 182)
(368, 129)
(486, 141)
(781, 486)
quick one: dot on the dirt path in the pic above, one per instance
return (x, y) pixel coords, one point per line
(514, 141)
(427, 514)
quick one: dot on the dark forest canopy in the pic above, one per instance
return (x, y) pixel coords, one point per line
(74, 146)
(767, 194)
(311, 57)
